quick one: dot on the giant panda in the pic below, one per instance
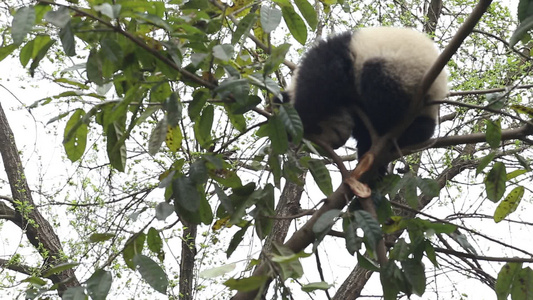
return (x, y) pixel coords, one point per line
(376, 70)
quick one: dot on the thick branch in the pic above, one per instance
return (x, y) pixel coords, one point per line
(39, 232)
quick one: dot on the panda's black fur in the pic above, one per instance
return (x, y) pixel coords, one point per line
(377, 70)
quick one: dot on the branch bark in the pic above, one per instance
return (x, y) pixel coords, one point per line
(37, 229)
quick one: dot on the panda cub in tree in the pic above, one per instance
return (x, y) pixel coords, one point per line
(377, 70)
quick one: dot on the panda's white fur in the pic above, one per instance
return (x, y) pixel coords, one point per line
(376, 70)
(409, 53)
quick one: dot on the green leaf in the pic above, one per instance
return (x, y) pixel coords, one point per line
(324, 223)
(523, 162)
(495, 182)
(313, 286)
(59, 268)
(100, 237)
(366, 263)
(370, 227)
(277, 135)
(26, 53)
(154, 20)
(23, 22)
(246, 284)
(523, 285)
(295, 24)
(321, 175)
(35, 280)
(515, 174)
(134, 245)
(283, 3)
(154, 241)
(206, 214)
(163, 210)
(94, 68)
(400, 251)
(275, 168)
(308, 12)
(186, 194)
(5, 51)
(391, 277)
(173, 108)
(430, 253)
(112, 50)
(506, 277)
(277, 56)
(218, 271)
(509, 204)
(157, 137)
(353, 242)
(494, 133)
(223, 52)
(99, 284)
(59, 17)
(111, 11)
(199, 98)
(174, 138)
(116, 146)
(75, 136)
(270, 18)
(415, 274)
(236, 240)
(243, 28)
(152, 273)
(410, 185)
(484, 162)
(74, 293)
(429, 187)
(525, 9)
(40, 48)
(67, 40)
(521, 30)
(288, 261)
(202, 127)
(238, 89)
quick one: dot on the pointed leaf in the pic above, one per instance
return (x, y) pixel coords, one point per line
(415, 274)
(308, 12)
(75, 136)
(186, 194)
(59, 17)
(270, 18)
(218, 271)
(243, 28)
(484, 162)
(173, 138)
(116, 146)
(495, 182)
(23, 22)
(295, 24)
(523, 285)
(99, 284)
(67, 40)
(370, 227)
(321, 175)
(494, 133)
(157, 137)
(277, 135)
(152, 273)
(506, 277)
(223, 52)
(509, 204)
